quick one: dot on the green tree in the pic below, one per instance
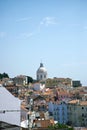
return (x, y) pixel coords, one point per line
(60, 126)
(30, 79)
(4, 75)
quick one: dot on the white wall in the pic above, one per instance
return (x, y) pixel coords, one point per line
(11, 106)
(39, 86)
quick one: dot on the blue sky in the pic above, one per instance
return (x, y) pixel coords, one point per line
(51, 31)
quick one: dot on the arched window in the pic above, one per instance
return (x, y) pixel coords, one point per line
(37, 77)
(40, 76)
(44, 76)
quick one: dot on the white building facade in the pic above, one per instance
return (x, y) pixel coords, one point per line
(39, 86)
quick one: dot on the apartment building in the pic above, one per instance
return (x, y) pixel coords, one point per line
(76, 83)
(77, 113)
(58, 110)
(20, 80)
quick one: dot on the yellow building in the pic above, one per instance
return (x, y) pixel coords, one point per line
(77, 113)
(58, 82)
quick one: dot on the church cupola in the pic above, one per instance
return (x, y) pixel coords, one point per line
(41, 73)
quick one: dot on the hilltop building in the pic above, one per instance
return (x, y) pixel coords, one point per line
(20, 80)
(76, 83)
(41, 73)
(61, 82)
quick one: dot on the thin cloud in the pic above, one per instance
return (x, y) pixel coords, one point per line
(25, 35)
(2, 34)
(48, 21)
(23, 19)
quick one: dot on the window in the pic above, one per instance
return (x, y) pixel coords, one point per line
(82, 119)
(37, 77)
(74, 108)
(70, 108)
(41, 76)
(57, 108)
(82, 114)
(54, 109)
(54, 113)
(44, 76)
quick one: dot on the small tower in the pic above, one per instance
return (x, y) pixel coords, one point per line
(41, 73)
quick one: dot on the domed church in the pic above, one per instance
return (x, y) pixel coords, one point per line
(41, 73)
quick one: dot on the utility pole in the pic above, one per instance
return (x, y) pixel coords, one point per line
(30, 109)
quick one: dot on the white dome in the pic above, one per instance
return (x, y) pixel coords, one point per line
(41, 73)
(41, 70)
